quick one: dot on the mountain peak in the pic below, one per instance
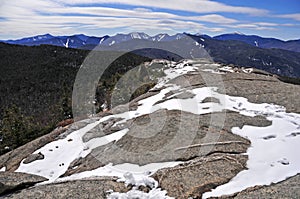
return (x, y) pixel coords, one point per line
(238, 33)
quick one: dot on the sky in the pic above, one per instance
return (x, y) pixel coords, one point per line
(267, 18)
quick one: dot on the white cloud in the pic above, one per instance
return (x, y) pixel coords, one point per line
(254, 26)
(197, 6)
(295, 16)
(266, 24)
(30, 17)
(259, 25)
(138, 13)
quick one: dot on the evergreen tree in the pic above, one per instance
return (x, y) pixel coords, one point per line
(15, 128)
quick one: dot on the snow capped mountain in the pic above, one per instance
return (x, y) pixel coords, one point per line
(74, 41)
(261, 42)
(249, 48)
(119, 38)
(31, 40)
(166, 37)
(88, 42)
(81, 40)
(139, 35)
(238, 33)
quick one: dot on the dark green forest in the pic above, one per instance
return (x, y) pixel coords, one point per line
(36, 89)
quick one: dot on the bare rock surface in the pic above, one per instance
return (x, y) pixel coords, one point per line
(257, 88)
(212, 154)
(11, 181)
(200, 175)
(287, 189)
(197, 137)
(33, 157)
(82, 189)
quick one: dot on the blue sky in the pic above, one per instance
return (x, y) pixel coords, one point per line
(268, 18)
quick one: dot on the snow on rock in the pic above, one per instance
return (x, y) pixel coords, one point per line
(213, 71)
(135, 35)
(273, 153)
(130, 174)
(160, 37)
(226, 69)
(60, 153)
(101, 41)
(247, 70)
(112, 43)
(94, 143)
(152, 194)
(3, 169)
(180, 68)
(67, 43)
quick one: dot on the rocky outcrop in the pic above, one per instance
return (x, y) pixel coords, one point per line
(257, 88)
(133, 148)
(143, 151)
(33, 157)
(15, 181)
(97, 188)
(200, 175)
(210, 153)
(12, 159)
(287, 189)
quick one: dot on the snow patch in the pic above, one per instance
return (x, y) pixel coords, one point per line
(112, 43)
(60, 153)
(130, 174)
(67, 43)
(156, 193)
(135, 35)
(101, 41)
(160, 37)
(273, 155)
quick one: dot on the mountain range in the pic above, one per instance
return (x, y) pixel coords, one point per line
(269, 54)
(254, 40)
(83, 41)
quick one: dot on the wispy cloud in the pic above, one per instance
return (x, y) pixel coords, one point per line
(200, 6)
(259, 25)
(140, 13)
(21, 18)
(35, 16)
(295, 16)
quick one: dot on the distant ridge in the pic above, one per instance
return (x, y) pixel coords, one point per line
(254, 40)
(88, 42)
(237, 49)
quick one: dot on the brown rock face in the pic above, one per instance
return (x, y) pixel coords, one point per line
(211, 153)
(14, 181)
(200, 175)
(33, 157)
(82, 189)
(288, 189)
